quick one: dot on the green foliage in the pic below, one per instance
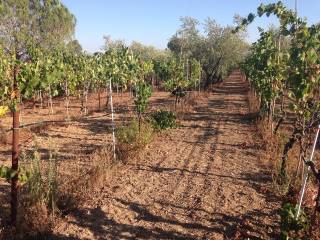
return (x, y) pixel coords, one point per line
(30, 34)
(293, 70)
(298, 66)
(290, 225)
(68, 71)
(266, 66)
(3, 110)
(163, 119)
(143, 93)
(125, 69)
(175, 76)
(195, 75)
(46, 25)
(23, 174)
(218, 50)
(276, 69)
(5, 172)
(131, 139)
(5, 83)
(148, 53)
(75, 47)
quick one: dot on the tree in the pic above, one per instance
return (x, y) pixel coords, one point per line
(46, 23)
(148, 53)
(225, 49)
(218, 49)
(189, 36)
(74, 46)
(110, 43)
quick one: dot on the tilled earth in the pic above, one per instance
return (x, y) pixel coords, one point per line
(202, 180)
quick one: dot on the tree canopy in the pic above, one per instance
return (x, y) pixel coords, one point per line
(44, 23)
(218, 48)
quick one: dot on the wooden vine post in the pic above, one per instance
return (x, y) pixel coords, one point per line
(15, 147)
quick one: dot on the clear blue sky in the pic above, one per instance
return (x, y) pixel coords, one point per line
(153, 22)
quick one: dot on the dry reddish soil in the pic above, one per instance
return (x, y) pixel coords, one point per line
(202, 180)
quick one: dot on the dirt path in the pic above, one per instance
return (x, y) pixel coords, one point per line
(202, 180)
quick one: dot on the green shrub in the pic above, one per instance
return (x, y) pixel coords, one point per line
(163, 119)
(130, 140)
(292, 227)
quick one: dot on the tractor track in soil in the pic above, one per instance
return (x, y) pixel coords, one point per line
(203, 180)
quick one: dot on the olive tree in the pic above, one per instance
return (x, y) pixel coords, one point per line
(218, 48)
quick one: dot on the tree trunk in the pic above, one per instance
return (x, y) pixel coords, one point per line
(67, 99)
(50, 101)
(301, 157)
(271, 110)
(41, 99)
(139, 119)
(281, 120)
(175, 103)
(82, 98)
(86, 111)
(34, 102)
(99, 98)
(286, 150)
(278, 125)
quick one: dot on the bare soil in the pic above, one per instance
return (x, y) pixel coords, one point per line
(202, 180)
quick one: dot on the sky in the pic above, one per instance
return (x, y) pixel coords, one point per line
(153, 22)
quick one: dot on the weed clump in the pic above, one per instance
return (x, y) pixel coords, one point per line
(130, 140)
(163, 119)
(39, 194)
(293, 227)
(48, 194)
